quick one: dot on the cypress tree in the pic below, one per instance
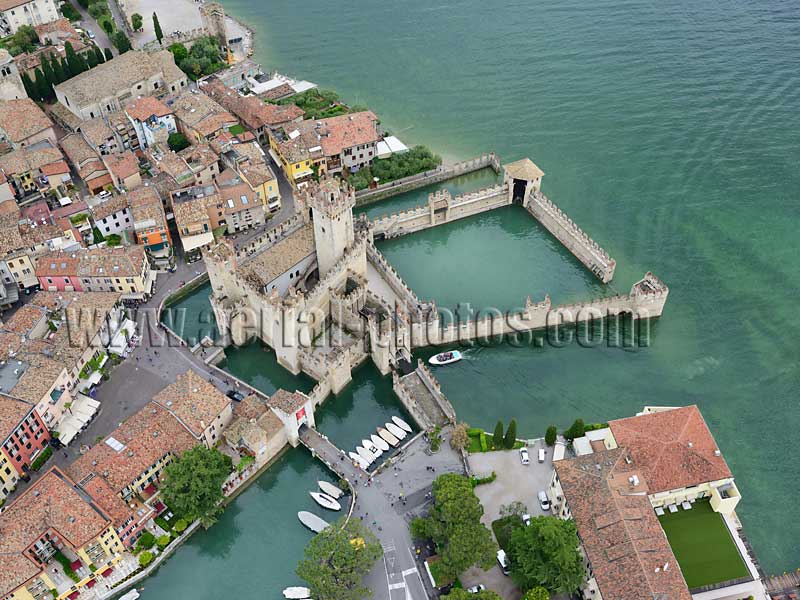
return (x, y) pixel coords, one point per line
(76, 64)
(551, 435)
(49, 72)
(43, 89)
(91, 60)
(511, 434)
(497, 438)
(121, 41)
(109, 54)
(157, 28)
(99, 55)
(65, 68)
(30, 87)
(58, 69)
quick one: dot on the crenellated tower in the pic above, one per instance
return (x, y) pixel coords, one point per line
(331, 203)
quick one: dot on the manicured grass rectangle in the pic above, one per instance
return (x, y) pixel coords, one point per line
(703, 546)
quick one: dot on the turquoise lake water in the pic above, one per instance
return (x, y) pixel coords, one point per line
(668, 132)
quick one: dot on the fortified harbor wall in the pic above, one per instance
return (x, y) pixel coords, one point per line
(442, 173)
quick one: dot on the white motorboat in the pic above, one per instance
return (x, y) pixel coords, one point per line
(365, 454)
(325, 501)
(445, 358)
(330, 489)
(372, 449)
(379, 442)
(396, 431)
(388, 437)
(297, 592)
(360, 461)
(312, 521)
(402, 424)
(132, 595)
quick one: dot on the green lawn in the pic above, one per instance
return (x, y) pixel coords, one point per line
(705, 550)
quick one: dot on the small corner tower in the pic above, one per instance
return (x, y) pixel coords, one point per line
(523, 178)
(331, 203)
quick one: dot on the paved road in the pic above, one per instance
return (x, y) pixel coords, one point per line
(88, 22)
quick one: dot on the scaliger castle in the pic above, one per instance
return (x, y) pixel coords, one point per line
(318, 291)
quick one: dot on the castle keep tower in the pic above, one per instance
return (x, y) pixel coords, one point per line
(331, 205)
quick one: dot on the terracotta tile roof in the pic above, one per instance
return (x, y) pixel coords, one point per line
(122, 261)
(287, 402)
(96, 131)
(62, 25)
(29, 158)
(337, 133)
(25, 319)
(20, 119)
(12, 411)
(279, 92)
(41, 374)
(143, 108)
(122, 165)
(193, 400)
(10, 343)
(199, 156)
(146, 437)
(115, 204)
(31, 236)
(50, 505)
(146, 207)
(231, 193)
(56, 168)
(619, 531)
(107, 499)
(673, 448)
(251, 407)
(78, 150)
(190, 205)
(252, 111)
(198, 111)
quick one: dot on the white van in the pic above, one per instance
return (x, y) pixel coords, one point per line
(544, 501)
(502, 560)
(542, 453)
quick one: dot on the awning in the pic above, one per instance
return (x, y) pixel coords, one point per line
(107, 572)
(119, 342)
(80, 413)
(150, 490)
(90, 583)
(274, 157)
(75, 565)
(197, 241)
(73, 595)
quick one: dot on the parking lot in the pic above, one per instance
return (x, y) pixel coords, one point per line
(515, 482)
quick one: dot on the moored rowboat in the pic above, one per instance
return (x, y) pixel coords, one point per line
(379, 442)
(402, 424)
(325, 501)
(388, 437)
(330, 489)
(396, 431)
(312, 521)
(297, 592)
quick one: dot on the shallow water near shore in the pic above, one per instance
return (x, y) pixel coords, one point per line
(666, 131)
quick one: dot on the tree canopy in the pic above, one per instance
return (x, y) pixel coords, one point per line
(121, 42)
(193, 483)
(336, 560)
(24, 40)
(417, 160)
(511, 435)
(576, 430)
(545, 553)
(537, 593)
(204, 58)
(137, 21)
(459, 439)
(454, 526)
(551, 435)
(157, 28)
(460, 594)
(177, 142)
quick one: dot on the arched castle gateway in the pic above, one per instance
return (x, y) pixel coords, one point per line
(318, 291)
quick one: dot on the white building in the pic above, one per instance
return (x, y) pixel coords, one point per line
(16, 13)
(152, 121)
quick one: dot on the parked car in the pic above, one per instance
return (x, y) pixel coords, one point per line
(476, 588)
(502, 560)
(526, 519)
(542, 453)
(523, 456)
(544, 501)
(235, 395)
(104, 194)
(90, 34)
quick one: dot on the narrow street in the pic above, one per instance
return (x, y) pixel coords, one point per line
(89, 24)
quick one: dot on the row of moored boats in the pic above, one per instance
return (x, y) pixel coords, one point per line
(386, 437)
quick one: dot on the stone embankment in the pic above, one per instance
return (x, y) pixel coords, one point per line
(441, 208)
(574, 239)
(422, 396)
(442, 173)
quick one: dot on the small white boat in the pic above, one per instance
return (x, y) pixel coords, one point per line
(325, 501)
(379, 442)
(132, 595)
(360, 461)
(312, 521)
(388, 437)
(445, 358)
(396, 431)
(365, 454)
(402, 424)
(372, 449)
(297, 592)
(330, 489)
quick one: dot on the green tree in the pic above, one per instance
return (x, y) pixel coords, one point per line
(30, 86)
(511, 435)
(497, 438)
(177, 142)
(145, 558)
(99, 55)
(43, 89)
(24, 40)
(551, 435)
(336, 560)
(58, 69)
(108, 26)
(545, 553)
(157, 28)
(121, 42)
(537, 593)
(193, 483)
(454, 526)
(109, 54)
(461, 594)
(137, 21)
(76, 63)
(576, 430)
(49, 72)
(179, 51)
(91, 60)
(65, 68)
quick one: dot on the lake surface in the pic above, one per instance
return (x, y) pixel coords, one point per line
(668, 131)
